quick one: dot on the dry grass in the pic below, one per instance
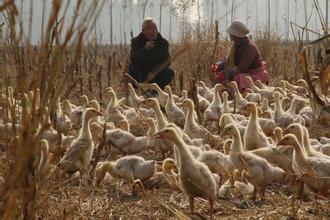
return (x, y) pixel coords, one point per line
(65, 67)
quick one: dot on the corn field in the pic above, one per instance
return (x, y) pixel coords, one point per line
(69, 65)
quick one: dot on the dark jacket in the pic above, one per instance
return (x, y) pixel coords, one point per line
(145, 60)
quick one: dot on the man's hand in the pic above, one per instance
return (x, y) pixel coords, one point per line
(150, 44)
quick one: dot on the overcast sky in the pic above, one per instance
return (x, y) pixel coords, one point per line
(252, 12)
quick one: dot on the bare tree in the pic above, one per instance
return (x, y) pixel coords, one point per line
(268, 17)
(287, 20)
(226, 4)
(172, 9)
(257, 16)
(199, 17)
(212, 11)
(151, 8)
(327, 11)
(111, 21)
(183, 6)
(162, 3)
(143, 5)
(43, 20)
(247, 12)
(124, 5)
(232, 10)
(306, 18)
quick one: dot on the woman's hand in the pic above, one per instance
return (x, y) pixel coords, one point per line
(230, 74)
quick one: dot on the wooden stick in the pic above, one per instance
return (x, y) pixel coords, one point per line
(137, 84)
(153, 74)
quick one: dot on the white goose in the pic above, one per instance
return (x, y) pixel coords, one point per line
(195, 178)
(79, 154)
(162, 145)
(191, 127)
(264, 92)
(256, 169)
(74, 113)
(113, 114)
(254, 137)
(154, 104)
(226, 108)
(239, 100)
(310, 169)
(302, 135)
(282, 118)
(213, 111)
(173, 112)
(133, 169)
(208, 93)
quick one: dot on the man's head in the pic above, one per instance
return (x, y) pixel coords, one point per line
(149, 28)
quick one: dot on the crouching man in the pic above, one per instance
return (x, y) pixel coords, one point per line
(150, 56)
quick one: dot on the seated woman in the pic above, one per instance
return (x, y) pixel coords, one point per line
(243, 59)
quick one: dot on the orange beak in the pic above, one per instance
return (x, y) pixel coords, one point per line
(159, 135)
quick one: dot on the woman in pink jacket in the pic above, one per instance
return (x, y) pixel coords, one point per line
(243, 59)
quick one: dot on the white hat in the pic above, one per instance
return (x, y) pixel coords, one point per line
(238, 29)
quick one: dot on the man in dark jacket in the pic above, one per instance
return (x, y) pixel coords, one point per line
(150, 56)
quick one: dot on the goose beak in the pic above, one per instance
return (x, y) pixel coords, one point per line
(222, 88)
(280, 142)
(159, 135)
(99, 113)
(286, 131)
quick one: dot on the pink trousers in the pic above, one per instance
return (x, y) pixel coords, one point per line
(256, 74)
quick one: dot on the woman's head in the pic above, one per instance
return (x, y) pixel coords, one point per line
(237, 30)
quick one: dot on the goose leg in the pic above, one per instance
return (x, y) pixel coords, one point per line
(244, 176)
(324, 192)
(231, 179)
(211, 202)
(136, 182)
(140, 184)
(254, 195)
(191, 204)
(218, 125)
(262, 193)
(163, 153)
(300, 190)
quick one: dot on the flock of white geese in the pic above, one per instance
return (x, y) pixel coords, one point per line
(243, 145)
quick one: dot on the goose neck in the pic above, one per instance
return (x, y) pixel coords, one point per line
(152, 129)
(299, 153)
(254, 115)
(159, 90)
(238, 94)
(254, 87)
(160, 117)
(236, 145)
(85, 131)
(182, 148)
(305, 141)
(170, 97)
(68, 107)
(216, 98)
(278, 105)
(113, 101)
(190, 114)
